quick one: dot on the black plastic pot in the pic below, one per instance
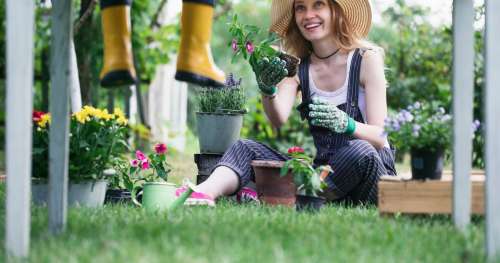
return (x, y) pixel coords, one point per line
(308, 203)
(205, 163)
(426, 164)
(115, 196)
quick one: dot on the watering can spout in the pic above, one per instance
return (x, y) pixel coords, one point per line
(184, 196)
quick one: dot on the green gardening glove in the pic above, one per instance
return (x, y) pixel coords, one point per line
(269, 72)
(326, 115)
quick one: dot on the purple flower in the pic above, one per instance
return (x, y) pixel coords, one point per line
(475, 125)
(416, 129)
(417, 105)
(249, 47)
(446, 117)
(234, 45)
(405, 116)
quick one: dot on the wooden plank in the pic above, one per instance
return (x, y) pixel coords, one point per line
(19, 53)
(492, 108)
(426, 197)
(463, 85)
(60, 71)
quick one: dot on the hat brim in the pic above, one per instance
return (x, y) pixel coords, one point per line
(357, 12)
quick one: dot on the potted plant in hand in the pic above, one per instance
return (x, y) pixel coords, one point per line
(96, 139)
(259, 53)
(220, 116)
(424, 129)
(309, 181)
(151, 174)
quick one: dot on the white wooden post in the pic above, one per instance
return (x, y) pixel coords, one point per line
(76, 95)
(463, 87)
(20, 31)
(60, 71)
(492, 125)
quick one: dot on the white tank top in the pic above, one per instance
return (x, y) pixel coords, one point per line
(339, 96)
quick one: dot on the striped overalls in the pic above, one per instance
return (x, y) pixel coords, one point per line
(357, 165)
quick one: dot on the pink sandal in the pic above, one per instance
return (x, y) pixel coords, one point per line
(196, 198)
(247, 195)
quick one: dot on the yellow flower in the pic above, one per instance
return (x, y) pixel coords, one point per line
(44, 120)
(122, 121)
(120, 116)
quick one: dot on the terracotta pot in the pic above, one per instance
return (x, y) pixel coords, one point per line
(271, 187)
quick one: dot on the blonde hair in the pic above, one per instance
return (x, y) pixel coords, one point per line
(344, 36)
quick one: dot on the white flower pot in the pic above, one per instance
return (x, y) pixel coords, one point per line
(87, 193)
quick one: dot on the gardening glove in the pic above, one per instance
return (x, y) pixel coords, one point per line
(269, 72)
(326, 115)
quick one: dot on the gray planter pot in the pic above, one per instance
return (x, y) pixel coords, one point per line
(216, 132)
(89, 194)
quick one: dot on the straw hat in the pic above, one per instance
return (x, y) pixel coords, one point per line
(358, 12)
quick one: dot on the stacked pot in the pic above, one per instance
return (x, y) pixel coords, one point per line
(216, 133)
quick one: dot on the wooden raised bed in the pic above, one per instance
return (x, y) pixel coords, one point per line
(396, 195)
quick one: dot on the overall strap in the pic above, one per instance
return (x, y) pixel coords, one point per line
(304, 80)
(303, 108)
(353, 85)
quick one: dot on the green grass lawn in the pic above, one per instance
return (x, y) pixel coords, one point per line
(236, 233)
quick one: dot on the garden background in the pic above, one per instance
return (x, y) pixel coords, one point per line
(419, 68)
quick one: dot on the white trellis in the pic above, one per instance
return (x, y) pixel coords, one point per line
(492, 120)
(463, 86)
(20, 28)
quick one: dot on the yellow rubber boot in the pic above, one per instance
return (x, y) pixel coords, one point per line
(118, 69)
(195, 63)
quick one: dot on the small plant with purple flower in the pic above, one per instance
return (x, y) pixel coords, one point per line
(421, 126)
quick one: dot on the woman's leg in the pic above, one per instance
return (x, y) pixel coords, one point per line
(234, 170)
(357, 168)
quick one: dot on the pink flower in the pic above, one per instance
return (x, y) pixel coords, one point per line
(161, 148)
(249, 47)
(295, 149)
(134, 162)
(144, 164)
(234, 45)
(140, 155)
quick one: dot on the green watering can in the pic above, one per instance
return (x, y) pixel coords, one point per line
(160, 196)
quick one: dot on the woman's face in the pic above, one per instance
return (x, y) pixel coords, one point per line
(313, 17)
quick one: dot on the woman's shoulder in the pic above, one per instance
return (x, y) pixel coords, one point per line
(372, 65)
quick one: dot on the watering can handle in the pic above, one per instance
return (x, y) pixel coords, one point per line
(134, 195)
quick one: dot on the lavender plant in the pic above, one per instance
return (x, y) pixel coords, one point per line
(229, 99)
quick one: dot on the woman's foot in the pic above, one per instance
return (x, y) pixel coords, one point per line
(196, 198)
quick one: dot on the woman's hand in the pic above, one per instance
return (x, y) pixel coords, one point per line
(269, 73)
(324, 114)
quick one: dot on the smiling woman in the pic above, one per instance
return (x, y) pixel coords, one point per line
(341, 79)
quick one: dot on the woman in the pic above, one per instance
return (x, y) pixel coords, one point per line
(341, 79)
